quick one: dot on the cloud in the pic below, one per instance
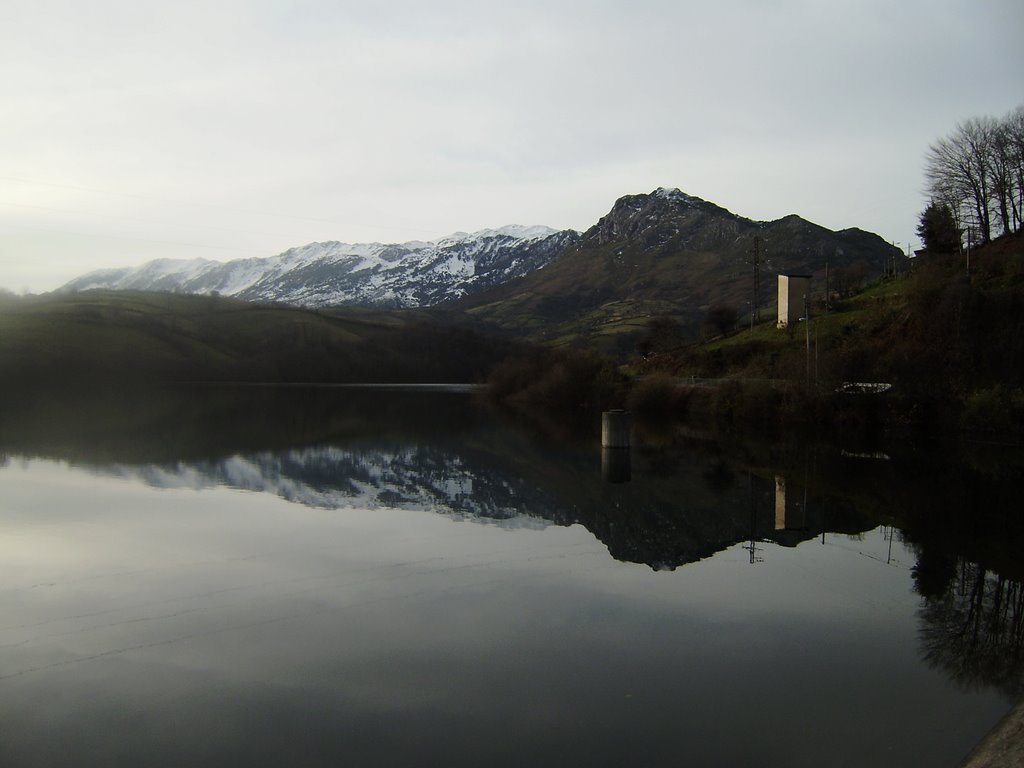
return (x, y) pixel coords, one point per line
(401, 119)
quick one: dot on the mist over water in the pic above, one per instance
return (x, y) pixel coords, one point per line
(317, 576)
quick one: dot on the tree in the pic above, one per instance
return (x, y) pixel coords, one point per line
(958, 172)
(849, 279)
(663, 335)
(721, 318)
(1001, 161)
(1013, 128)
(978, 172)
(938, 230)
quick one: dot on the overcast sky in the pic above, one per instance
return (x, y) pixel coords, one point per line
(136, 130)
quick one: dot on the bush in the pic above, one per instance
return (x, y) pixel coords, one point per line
(557, 379)
(994, 410)
(658, 396)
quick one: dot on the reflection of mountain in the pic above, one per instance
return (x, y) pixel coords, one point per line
(687, 499)
(439, 451)
(672, 513)
(332, 477)
(342, 447)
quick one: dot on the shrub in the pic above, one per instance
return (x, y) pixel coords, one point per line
(994, 410)
(658, 395)
(556, 378)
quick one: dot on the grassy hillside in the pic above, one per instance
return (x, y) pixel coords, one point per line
(133, 337)
(951, 346)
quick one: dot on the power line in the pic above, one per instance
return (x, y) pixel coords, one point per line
(756, 304)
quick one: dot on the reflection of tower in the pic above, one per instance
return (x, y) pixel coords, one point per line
(616, 465)
(789, 515)
(780, 503)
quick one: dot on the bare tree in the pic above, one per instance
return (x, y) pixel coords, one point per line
(1001, 163)
(1013, 130)
(978, 172)
(958, 170)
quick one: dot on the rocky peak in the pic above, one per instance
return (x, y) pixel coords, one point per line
(675, 195)
(657, 217)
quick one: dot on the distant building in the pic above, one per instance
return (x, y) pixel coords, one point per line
(792, 291)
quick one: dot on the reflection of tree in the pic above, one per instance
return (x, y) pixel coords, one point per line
(973, 628)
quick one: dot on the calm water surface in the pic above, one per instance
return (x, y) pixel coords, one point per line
(327, 577)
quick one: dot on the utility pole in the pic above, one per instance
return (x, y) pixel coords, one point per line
(756, 311)
(970, 232)
(821, 255)
(815, 357)
(828, 285)
(753, 522)
(807, 339)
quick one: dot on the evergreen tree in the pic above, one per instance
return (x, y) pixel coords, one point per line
(937, 229)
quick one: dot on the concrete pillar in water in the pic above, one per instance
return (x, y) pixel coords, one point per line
(615, 429)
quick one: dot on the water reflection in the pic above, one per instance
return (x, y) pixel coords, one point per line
(845, 528)
(436, 450)
(972, 624)
(616, 465)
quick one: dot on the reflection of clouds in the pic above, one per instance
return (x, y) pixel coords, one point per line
(973, 630)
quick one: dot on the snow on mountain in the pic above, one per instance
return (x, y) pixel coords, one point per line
(675, 195)
(410, 274)
(331, 477)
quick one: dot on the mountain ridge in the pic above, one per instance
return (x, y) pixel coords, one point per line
(386, 275)
(660, 254)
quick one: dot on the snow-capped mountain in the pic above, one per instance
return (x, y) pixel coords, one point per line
(412, 274)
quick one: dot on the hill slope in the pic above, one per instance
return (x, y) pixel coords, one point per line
(950, 345)
(669, 254)
(128, 337)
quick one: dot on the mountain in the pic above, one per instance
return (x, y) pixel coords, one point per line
(670, 254)
(666, 254)
(412, 274)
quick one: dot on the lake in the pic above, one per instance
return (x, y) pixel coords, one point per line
(328, 576)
